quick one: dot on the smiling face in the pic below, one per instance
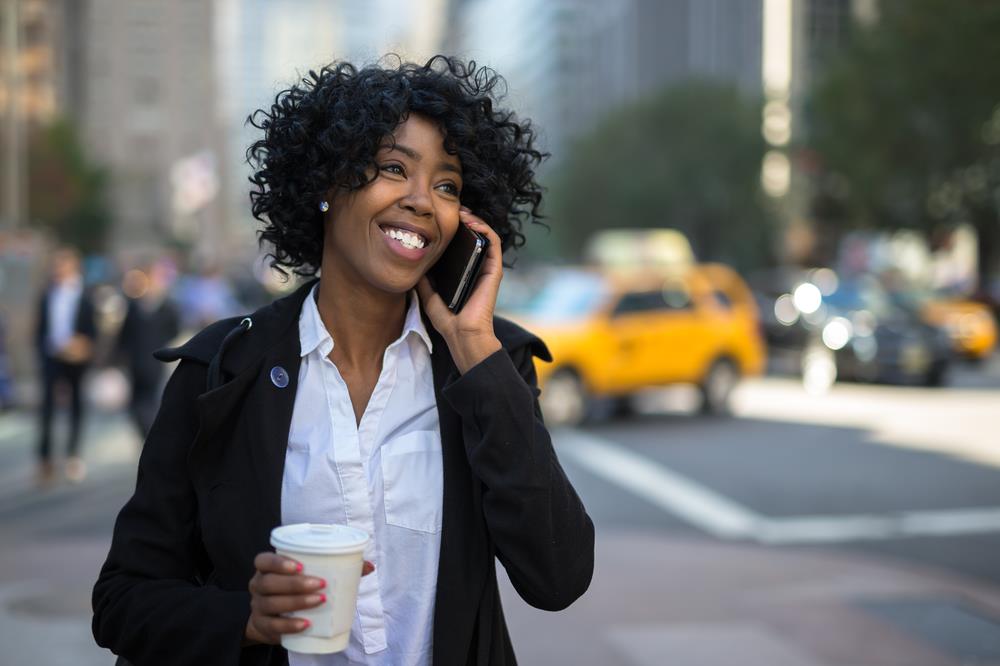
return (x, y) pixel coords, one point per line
(390, 232)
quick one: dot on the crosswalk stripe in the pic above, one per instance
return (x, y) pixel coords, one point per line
(722, 517)
(660, 486)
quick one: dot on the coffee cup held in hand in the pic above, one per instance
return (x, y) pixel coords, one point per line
(335, 554)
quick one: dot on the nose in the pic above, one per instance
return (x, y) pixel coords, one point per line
(417, 200)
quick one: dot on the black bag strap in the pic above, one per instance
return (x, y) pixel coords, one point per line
(214, 378)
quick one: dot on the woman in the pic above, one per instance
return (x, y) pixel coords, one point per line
(358, 399)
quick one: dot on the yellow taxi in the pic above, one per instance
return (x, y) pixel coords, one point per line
(613, 332)
(970, 325)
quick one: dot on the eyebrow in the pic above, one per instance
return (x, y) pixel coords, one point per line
(414, 155)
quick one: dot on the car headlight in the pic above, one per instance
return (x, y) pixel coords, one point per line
(837, 333)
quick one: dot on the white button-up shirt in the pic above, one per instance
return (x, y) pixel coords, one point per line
(64, 301)
(383, 476)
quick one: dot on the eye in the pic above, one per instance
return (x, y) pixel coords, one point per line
(395, 169)
(450, 188)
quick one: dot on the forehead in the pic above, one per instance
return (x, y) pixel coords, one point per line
(416, 126)
(423, 135)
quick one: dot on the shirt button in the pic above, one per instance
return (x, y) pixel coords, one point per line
(279, 376)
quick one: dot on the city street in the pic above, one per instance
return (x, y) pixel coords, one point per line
(856, 528)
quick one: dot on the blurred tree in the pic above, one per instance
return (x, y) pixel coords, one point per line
(906, 123)
(66, 193)
(687, 158)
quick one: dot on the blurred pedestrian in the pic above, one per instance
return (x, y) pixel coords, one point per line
(206, 297)
(64, 336)
(151, 321)
(359, 399)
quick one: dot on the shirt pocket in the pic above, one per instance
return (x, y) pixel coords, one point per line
(413, 482)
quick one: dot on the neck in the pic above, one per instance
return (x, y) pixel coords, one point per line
(362, 321)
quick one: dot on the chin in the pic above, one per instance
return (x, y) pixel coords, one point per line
(400, 285)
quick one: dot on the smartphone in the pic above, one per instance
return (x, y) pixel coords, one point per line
(454, 274)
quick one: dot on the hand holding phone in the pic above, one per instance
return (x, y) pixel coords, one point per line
(454, 274)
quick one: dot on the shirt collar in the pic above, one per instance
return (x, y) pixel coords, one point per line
(313, 334)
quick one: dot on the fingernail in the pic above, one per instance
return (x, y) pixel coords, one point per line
(318, 583)
(322, 598)
(464, 209)
(298, 567)
(305, 624)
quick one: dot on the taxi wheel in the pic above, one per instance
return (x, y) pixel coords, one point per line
(718, 385)
(937, 374)
(564, 399)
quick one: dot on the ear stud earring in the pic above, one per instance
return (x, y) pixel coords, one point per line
(324, 206)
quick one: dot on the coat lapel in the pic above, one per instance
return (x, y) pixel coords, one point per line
(269, 415)
(244, 423)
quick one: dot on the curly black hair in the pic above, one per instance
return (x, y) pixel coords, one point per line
(324, 132)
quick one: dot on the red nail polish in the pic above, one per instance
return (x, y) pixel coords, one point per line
(322, 598)
(306, 624)
(298, 567)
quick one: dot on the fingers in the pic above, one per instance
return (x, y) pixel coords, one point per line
(268, 584)
(477, 224)
(281, 604)
(279, 588)
(265, 629)
(428, 297)
(273, 563)
(494, 256)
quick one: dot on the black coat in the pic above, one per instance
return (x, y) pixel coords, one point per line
(174, 587)
(143, 331)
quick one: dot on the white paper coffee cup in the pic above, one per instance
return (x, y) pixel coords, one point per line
(333, 553)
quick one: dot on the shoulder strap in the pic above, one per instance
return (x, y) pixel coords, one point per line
(214, 376)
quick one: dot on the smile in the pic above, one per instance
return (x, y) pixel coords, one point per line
(406, 238)
(405, 244)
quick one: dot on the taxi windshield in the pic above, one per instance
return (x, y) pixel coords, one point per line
(565, 296)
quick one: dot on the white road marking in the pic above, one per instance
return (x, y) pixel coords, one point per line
(660, 486)
(722, 517)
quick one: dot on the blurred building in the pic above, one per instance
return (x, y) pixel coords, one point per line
(568, 62)
(149, 115)
(801, 38)
(39, 82)
(39, 46)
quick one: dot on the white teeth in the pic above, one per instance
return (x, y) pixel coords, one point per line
(406, 239)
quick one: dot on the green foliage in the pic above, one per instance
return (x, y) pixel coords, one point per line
(687, 158)
(66, 194)
(906, 122)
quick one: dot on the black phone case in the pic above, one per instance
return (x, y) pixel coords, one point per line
(454, 275)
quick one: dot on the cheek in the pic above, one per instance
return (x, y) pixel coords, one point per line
(449, 225)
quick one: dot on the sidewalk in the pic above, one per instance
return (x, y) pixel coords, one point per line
(53, 542)
(657, 598)
(700, 604)
(682, 601)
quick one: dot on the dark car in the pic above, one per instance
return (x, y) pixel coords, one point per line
(849, 329)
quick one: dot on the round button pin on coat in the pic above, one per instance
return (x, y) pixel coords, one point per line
(279, 376)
